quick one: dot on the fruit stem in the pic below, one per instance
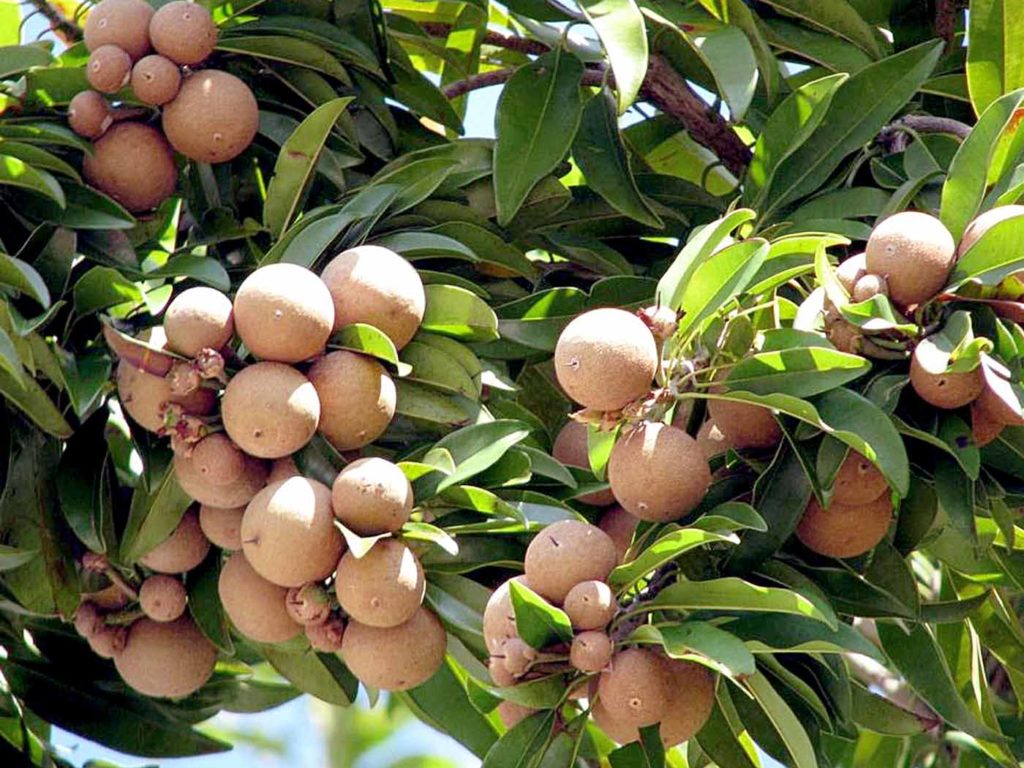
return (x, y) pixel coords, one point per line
(118, 581)
(123, 618)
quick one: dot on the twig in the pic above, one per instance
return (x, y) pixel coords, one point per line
(59, 23)
(895, 136)
(498, 40)
(660, 579)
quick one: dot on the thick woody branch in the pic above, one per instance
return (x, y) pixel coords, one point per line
(663, 86)
(68, 30)
(895, 136)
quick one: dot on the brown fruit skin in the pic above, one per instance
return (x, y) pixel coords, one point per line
(288, 532)
(124, 23)
(518, 656)
(109, 69)
(89, 114)
(197, 319)
(372, 496)
(255, 606)
(914, 252)
(944, 390)
(283, 313)
(184, 32)
(591, 651)
(996, 398)
(635, 689)
(984, 222)
(235, 494)
(213, 118)
(270, 410)
(162, 597)
(87, 619)
(500, 617)
(590, 605)
(620, 527)
(869, 286)
(282, 469)
(395, 658)
(858, 481)
(745, 425)
(144, 395)
(133, 163)
(326, 636)
(851, 270)
(845, 530)
(180, 552)
(566, 553)
(384, 587)
(308, 604)
(167, 660)
(511, 714)
(711, 440)
(658, 472)
(500, 675)
(155, 80)
(570, 448)
(218, 460)
(605, 359)
(357, 398)
(108, 641)
(984, 428)
(374, 285)
(222, 525)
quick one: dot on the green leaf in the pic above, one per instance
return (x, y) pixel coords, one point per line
(882, 716)
(296, 165)
(456, 312)
(31, 399)
(518, 748)
(784, 721)
(204, 601)
(18, 173)
(665, 550)
(290, 50)
(601, 155)
(730, 57)
(733, 594)
(918, 658)
(83, 487)
(717, 281)
(773, 633)
(620, 26)
(724, 737)
(801, 372)
(995, 51)
(538, 623)
(368, 340)
(24, 277)
(859, 109)
(537, 117)
(153, 516)
(838, 17)
(968, 178)
(103, 287)
(319, 674)
(422, 245)
(12, 557)
(478, 447)
(438, 368)
(202, 268)
(18, 58)
(992, 258)
(701, 642)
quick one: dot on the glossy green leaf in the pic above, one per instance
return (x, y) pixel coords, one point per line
(153, 516)
(31, 399)
(733, 594)
(620, 26)
(290, 50)
(103, 287)
(18, 173)
(538, 623)
(537, 118)
(456, 312)
(838, 17)
(18, 58)
(320, 674)
(368, 340)
(716, 281)
(701, 642)
(12, 557)
(994, 52)
(438, 368)
(784, 721)
(774, 633)
(665, 550)
(801, 372)
(992, 258)
(478, 447)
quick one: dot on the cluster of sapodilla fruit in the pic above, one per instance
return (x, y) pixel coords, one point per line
(287, 571)
(207, 115)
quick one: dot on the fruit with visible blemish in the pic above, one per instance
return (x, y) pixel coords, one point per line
(89, 114)
(395, 658)
(270, 410)
(845, 530)
(162, 597)
(372, 496)
(213, 118)
(197, 319)
(565, 553)
(590, 605)
(591, 651)
(914, 252)
(384, 587)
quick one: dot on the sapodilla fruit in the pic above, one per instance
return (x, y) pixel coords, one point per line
(124, 23)
(372, 496)
(620, 527)
(197, 319)
(227, 495)
(500, 617)
(384, 587)
(108, 641)
(940, 388)
(984, 429)
(89, 114)
(635, 689)
(167, 660)
(395, 658)
(222, 525)
(1001, 400)
(845, 530)
(282, 469)
(570, 448)
(591, 651)
(132, 163)
(500, 675)
(184, 32)
(180, 552)
(606, 358)
(145, 397)
(858, 481)
(914, 252)
(374, 285)
(518, 656)
(155, 80)
(87, 619)
(566, 553)
(283, 313)
(270, 410)
(658, 472)
(255, 606)
(984, 222)
(869, 286)
(308, 604)
(218, 460)
(852, 270)
(162, 597)
(711, 440)
(590, 605)
(357, 398)
(109, 69)
(288, 532)
(326, 636)
(213, 118)
(745, 425)
(511, 714)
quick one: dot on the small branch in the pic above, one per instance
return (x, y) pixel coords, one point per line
(498, 40)
(895, 136)
(59, 23)
(473, 82)
(661, 578)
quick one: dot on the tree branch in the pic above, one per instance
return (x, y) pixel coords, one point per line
(68, 30)
(895, 136)
(663, 86)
